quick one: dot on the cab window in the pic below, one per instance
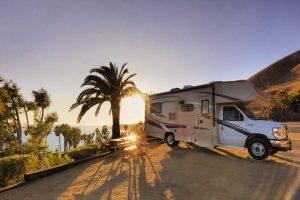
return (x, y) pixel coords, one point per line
(230, 113)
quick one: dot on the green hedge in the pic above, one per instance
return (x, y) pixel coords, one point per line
(83, 152)
(12, 169)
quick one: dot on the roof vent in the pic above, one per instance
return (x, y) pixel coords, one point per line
(213, 82)
(187, 86)
(174, 89)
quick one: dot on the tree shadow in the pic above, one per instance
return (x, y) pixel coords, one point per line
(183, 172)
(287, 159)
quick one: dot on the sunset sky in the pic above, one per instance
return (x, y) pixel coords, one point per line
(54, 44)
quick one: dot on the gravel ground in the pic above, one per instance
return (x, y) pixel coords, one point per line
(183, 172)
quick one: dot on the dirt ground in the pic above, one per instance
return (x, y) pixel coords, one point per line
(183, 172)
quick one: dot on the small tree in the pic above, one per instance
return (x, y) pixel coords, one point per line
(57, 131)
(102, 135)
(38, 132)
(42, 100)
(278, 109)
(294, 101)
(75, 136)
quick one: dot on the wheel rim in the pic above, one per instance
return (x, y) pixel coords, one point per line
(258, 149)
(170, 139)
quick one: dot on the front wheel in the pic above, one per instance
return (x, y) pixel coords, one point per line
(259, 149)
(170, 140)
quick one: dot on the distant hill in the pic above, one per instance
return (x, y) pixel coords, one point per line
(282, 74)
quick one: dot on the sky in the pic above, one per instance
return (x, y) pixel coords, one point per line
(54, 44)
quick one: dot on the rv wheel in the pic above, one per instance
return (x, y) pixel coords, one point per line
(258, 148)
(170, 140)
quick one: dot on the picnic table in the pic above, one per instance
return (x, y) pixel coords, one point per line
(129, 143)
(119, 144)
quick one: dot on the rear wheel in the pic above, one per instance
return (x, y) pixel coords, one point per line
(258, 148)
(170, 140)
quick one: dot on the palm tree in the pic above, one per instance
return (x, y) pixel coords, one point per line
(65, 130)
(57, 130)
(109, 84)
(42, 100)
(15, 99)
(28, 106)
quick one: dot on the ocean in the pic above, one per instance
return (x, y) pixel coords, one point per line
(53, 140)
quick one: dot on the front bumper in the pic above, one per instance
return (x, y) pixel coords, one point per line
(281, 145)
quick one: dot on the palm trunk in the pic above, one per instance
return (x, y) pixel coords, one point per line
(26, 114)
(42, 117)
(19, 133)
(65, 144)
(115, 105)
(19, 130)
(59, 143)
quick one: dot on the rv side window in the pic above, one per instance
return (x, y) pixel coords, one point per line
(156, 108)
(204, 107)
(187, 107)
(230, 113)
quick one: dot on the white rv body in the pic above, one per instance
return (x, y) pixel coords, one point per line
(202, 115)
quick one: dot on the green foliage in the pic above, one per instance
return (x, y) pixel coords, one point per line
(87, 138)
(75, 136)
(37, 133)
(12, 101)
(102, 136)
(83, 152)
(65, 130)
(40, 162)
(294, 100)
(284, 106)
(42, 100)
(12, 169)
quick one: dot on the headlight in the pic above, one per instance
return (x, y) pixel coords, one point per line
(278, 134)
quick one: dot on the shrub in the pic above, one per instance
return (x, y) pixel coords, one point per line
(83, 152)
(56, 159)
(12, 169)
(35, 163)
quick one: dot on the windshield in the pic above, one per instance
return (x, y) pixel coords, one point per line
(247, 112)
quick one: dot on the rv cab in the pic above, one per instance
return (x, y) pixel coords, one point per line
(232, 119)
(214, 115)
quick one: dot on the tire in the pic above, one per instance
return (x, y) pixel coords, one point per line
(273, 151)
(259, 149)
(170, 140)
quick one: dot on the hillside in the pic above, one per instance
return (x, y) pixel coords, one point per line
(282, 74)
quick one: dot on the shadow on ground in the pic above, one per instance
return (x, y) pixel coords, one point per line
(183, 172)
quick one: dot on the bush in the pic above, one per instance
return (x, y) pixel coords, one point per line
(83, 152)
(56, 159)
(12, 169)
(49, 160)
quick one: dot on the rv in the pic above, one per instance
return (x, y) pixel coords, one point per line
(213, 115)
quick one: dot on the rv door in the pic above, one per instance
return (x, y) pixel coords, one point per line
(203, 125)
(232, 127)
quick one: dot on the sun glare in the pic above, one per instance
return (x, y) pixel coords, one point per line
(132, 110)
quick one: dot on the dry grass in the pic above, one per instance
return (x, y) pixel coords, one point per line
(282, 74)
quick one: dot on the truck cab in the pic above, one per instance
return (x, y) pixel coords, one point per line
(238, 127)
